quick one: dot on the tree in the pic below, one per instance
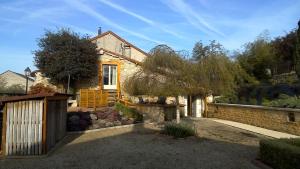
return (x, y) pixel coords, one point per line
(166, 73)
(64, 53)
(297, 51)
(284, 53)
(258, 58)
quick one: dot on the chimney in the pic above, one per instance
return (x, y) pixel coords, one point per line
(99, 31)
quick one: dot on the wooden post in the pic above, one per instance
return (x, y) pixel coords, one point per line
(4, 130)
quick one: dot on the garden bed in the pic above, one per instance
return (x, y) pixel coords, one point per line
(101, 118)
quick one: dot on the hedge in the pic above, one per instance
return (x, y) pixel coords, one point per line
(280, 153)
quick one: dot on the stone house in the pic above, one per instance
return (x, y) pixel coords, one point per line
(13, 78)
(118, 60)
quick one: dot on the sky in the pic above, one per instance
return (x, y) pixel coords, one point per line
(145, 23)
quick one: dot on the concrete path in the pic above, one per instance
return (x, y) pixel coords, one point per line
(259, 130)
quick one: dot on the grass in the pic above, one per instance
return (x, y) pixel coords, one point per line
(180, 130)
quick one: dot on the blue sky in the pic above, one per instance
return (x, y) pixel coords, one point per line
(145, 23)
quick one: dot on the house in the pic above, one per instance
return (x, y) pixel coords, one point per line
(13, 78)
(118, 60)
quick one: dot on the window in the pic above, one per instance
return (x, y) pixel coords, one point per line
(110, 76)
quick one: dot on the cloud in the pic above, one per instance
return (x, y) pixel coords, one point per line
(88, 10)
(141, 18)
(192, 16)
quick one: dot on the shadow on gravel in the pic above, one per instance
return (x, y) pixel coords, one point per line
(140, 146)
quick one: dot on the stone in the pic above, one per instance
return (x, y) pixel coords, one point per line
(83, 124)
(93, 116)
(74, 119)
(117, 123)
(109, 124)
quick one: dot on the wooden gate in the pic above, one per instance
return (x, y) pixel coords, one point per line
(93, 98)
(24, 128)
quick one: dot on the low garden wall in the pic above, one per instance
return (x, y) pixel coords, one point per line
(156, 112)
(279, 119)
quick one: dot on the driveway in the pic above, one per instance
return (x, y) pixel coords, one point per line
(218, 146)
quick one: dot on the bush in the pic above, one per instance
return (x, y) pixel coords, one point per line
(280, 153)
(178, 130)
(284, 101)
(129, 112)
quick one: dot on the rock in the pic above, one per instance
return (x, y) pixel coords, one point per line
(93, 116)
(124, 118)
(95, 126)
(117, 123)
(74, 119)
(85, 116)
(109, 124)
(83, 124)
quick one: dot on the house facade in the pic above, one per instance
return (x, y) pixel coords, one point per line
(118, 60)
(12, 78)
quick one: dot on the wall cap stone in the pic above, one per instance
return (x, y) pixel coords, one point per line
(256, 107)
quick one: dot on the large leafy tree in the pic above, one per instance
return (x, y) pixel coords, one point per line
(258, 58)
(64, 53)
(166, 73)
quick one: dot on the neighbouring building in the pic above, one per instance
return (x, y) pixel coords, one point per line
(12, 78)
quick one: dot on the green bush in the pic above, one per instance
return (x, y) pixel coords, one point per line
(280, 153)
(284, 101)
(129, 112)
(179, 130)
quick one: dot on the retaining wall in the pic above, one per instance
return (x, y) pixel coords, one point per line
(279, 119)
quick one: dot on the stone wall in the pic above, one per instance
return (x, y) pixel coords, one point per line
(157, 113)
(279, 119)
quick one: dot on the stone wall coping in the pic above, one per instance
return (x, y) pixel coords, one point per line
(257, 107)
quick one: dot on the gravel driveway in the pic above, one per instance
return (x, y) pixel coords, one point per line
(219, 146)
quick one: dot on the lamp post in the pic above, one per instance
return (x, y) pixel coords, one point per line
(27, 72)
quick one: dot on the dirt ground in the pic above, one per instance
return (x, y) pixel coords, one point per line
(143, 147)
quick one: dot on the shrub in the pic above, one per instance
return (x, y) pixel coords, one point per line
(280, 153)
(129, 112)
(178, 130)
(284, 101)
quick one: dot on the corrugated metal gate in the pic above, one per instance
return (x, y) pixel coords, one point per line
(24, 128)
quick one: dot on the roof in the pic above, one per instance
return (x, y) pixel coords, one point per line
(121, 39)
(19, 74)
(121, 56)
(33, 97)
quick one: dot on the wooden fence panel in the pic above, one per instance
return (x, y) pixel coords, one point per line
(93, 98)
(24, 128)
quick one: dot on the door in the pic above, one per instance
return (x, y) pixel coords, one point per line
(109, 77)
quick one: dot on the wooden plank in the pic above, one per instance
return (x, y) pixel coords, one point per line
(36, 135)
(9, 131)
(25, 128)
(22, 127)
(4, 130)
(44, 136)
(14, 130)
(30, 106)
(40, 126)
